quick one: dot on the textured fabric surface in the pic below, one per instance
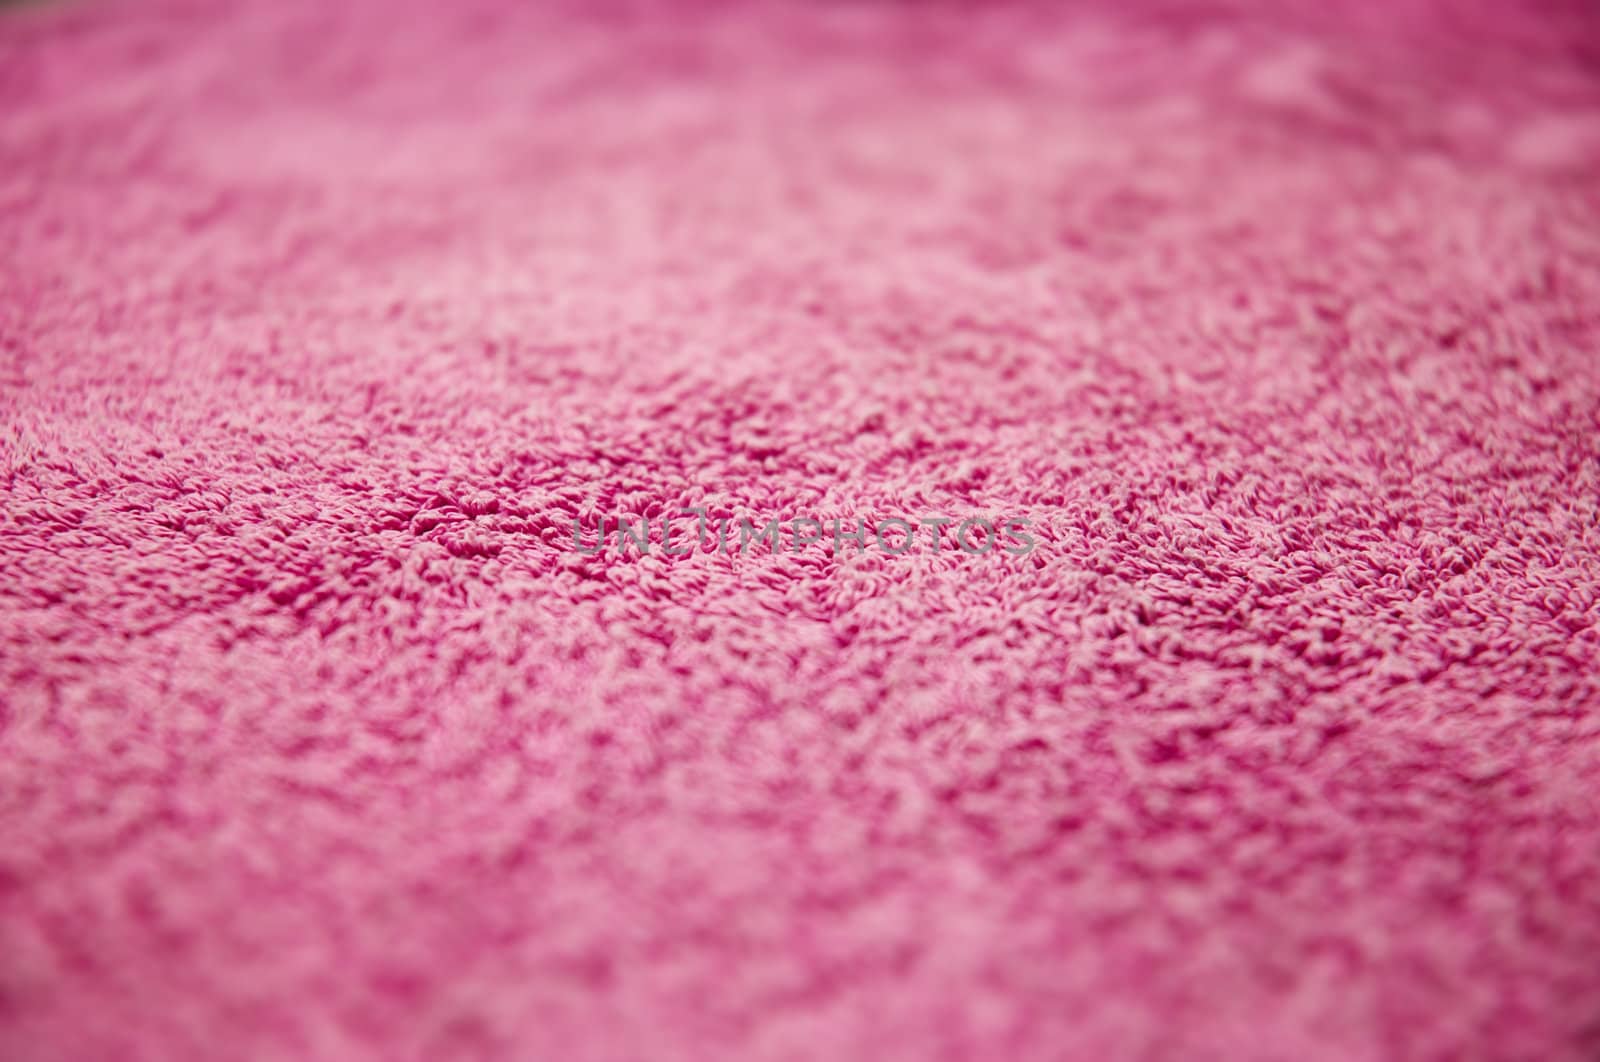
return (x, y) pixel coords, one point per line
(321, 322)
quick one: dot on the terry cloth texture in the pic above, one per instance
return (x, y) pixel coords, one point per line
(321, 737)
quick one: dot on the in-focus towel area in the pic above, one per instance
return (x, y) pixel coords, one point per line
(321, 739)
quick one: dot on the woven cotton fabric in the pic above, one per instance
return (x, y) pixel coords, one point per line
(325, 326)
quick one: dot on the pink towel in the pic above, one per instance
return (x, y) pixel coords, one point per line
(334, 336)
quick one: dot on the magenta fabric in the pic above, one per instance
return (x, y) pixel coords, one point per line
(320, 322)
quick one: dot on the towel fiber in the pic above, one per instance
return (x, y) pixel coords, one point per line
(322, 324)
